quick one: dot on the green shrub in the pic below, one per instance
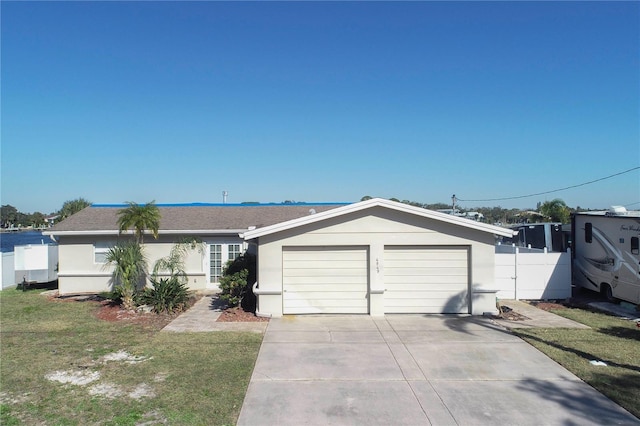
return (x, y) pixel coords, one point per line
(237, 279)
(166, 295)
(233, 286)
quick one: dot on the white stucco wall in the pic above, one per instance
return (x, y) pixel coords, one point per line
(78, 273)
(373, 228)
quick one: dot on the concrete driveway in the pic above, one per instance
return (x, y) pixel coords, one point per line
(413, 370)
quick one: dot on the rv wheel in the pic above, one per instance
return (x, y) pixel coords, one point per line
(608, 293)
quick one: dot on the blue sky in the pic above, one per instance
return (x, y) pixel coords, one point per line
(320, 101)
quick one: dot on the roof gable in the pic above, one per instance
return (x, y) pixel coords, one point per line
(377, 202)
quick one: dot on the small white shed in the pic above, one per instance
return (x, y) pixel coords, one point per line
(374, 257)
(36, 263)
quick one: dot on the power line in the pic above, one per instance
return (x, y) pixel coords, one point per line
(555, 190)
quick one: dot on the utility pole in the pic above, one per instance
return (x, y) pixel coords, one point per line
(453, 202)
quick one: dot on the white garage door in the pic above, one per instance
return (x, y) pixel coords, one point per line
(426, 279)
(325, 280)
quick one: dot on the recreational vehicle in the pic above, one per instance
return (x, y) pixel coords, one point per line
(540, 236)
(606, 253)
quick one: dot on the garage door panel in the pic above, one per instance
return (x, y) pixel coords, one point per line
(325, 280)
(409, 280)
(324, 288)
(324, 310)
(323, 299)
(419, 287)
(423, 295)
(323, 273)
(421, 279)
(426, 273)
(420, 303)
(401, 254)
(433, 306)
(314, 281)
(430, 263)
(322, 255)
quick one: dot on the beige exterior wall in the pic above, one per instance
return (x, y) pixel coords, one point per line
(79, 273)
(373, 228)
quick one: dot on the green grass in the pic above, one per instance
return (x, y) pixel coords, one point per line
(612, 340)
(187, 378)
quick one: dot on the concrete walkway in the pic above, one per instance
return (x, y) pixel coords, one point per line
(203, 316)
(413, 370)
(535, 318)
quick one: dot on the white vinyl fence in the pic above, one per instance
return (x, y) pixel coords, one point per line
(532, 274)
(8, 270)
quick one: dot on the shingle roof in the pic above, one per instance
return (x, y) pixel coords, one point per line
(192, 218)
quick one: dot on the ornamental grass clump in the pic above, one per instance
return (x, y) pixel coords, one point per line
(166, 295)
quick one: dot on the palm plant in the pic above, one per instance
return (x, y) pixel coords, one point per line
(174, 263)
(140, 217)
(130, 267)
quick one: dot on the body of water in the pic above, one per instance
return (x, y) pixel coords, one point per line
(8, 240)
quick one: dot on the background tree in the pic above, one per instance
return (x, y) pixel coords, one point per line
(70, 207)
(37, 219)
(436, 206)
(140, 217)
(556, 210)
(8, 215)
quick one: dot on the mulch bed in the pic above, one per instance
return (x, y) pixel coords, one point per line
(112, 312)
(237, 314)
(108, 310)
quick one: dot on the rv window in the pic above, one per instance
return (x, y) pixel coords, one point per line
(635, 249)
(588, 232)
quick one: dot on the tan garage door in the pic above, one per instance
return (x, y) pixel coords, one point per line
(325, 280)
(426, 279)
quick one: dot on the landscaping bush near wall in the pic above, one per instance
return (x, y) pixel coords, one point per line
(235, 284)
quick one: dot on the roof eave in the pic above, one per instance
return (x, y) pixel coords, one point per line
(161, 232)
(374, 202)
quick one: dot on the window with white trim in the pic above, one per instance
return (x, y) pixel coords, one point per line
(235, 250)
(215, 262)
(100, 251)
(219, 255)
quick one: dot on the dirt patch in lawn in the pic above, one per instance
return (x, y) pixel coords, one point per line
(237, 314)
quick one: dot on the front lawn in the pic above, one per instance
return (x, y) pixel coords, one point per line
(612, 340)
(61, 365)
